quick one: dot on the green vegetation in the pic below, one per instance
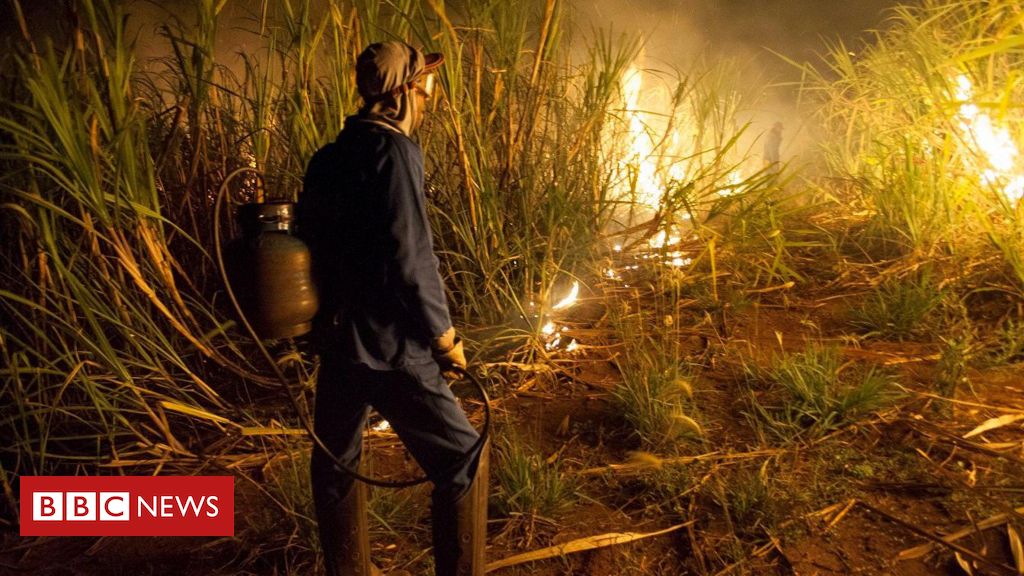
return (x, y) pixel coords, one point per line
(528, 485)
(810, 393)
(750, 499)
(899, 309)
(655, 396)
(1008, 343)
(920, 124)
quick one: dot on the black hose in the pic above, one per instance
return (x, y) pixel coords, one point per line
(303, 417)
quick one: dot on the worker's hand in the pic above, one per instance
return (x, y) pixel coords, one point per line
(448, 352)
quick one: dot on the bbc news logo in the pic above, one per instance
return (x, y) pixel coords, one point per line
(116, 506)
(127, 506)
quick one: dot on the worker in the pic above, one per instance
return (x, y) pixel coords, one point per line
(772, 144)
(384, 332)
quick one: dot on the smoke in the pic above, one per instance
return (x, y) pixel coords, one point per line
(743, 29)
(765, 39)
(756, 35)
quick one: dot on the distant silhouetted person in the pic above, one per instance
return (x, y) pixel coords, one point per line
(771, 146)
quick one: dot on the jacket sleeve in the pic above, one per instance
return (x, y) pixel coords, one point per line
(414, 267)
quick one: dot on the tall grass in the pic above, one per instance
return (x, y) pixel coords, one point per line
(655, 397)
(517, 165)
(902, 119)
(117, 346)
(114, 339)
(106, 344)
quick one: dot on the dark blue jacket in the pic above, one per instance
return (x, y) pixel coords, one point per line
(363, 214)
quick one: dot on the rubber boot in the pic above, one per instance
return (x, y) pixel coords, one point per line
(460, 530)
(345, 535)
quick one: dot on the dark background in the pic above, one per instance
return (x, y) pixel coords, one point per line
(676, 28)
(758, 36)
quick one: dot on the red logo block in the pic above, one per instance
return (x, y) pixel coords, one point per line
(127, 506)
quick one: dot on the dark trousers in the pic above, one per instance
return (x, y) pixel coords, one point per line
(418, 404)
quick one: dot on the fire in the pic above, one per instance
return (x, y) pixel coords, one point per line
(653, 140)
(995, 143)
(663, 239)
(657, 143)
(570, 298)
(640, 159)
(553, 334)
(732, 185)
(679, 261)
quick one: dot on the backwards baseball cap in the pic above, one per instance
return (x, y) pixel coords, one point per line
(385, 67)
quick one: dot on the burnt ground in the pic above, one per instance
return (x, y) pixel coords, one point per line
(848, 503)
(858, 500)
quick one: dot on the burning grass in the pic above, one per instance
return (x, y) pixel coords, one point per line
(920, 124)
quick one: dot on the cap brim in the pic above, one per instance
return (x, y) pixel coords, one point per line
(432, 61)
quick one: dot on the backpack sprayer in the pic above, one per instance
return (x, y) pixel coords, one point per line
(279, 300)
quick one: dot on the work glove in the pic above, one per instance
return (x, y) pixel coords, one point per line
(449, 353)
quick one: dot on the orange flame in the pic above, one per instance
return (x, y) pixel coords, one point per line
(994, 143)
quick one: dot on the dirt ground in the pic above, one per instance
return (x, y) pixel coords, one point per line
(854, 502)
(858, 501)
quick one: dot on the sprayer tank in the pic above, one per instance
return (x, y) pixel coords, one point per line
(273, 272)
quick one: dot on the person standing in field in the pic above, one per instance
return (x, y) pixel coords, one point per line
(772, 146)
(385, 335)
